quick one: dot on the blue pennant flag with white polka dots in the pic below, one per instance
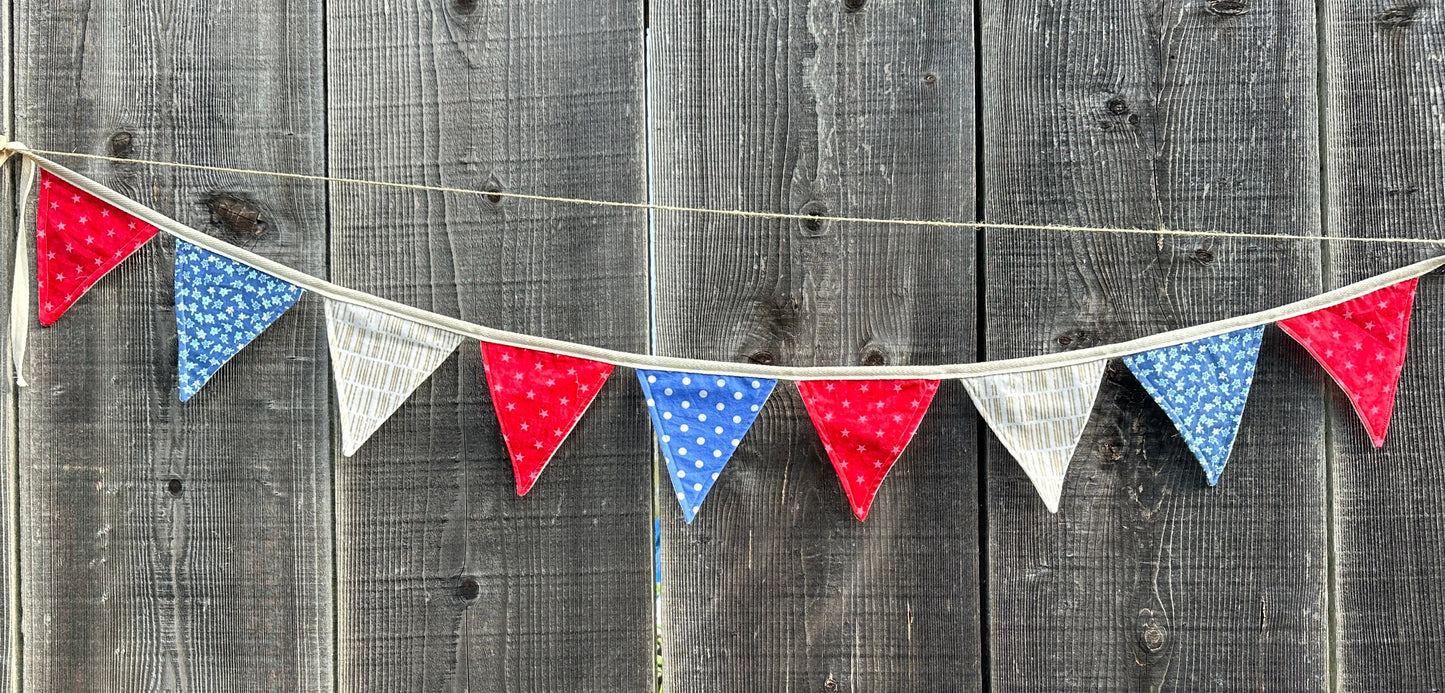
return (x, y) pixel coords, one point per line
(221, 305)
(699, 420)
(1202, 386)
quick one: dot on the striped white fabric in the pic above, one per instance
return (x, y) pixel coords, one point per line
(1039, 416)
(378, 360)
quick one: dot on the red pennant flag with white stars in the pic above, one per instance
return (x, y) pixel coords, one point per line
(865, 424)
(1361, 344)
(539, 397)
(78, 239)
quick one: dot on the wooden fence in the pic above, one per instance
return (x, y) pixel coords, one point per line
(225, 545)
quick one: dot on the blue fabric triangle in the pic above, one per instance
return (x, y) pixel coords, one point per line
(221, 305)
(1202, 386)
(699, 420)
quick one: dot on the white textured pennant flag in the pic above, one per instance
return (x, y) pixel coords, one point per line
(1039, 416)
(378, 360)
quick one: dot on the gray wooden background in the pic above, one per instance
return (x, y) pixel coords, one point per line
(225, 545)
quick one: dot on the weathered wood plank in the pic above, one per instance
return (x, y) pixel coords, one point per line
(170, 547)
(1190, 115)
(446, 579)
(9, 565)
(1384, 161)
(819, 107)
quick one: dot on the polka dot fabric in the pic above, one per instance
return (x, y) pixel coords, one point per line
(221, 305)
(539, 397)
(1361, 344)
(699, 420)
(1202, 386)
(865, 424)
(78, 239)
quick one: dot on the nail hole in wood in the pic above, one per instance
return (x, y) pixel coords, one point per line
(174, 486)
(469, 589)
(930, 78)
(494, 189)
(121, 144)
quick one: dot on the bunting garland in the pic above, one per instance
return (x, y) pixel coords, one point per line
(378, 360)
(864, 425)
(701, 411)
(1202, 386)
(700, 420)
(221, 305)
(539, 397)
(1361, 344)
(78, 239)
(1039, 416)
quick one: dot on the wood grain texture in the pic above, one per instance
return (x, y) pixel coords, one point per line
(1189, 115)
(9, 564)
(170, 547)
(1384, 160)
(819, 107)
(446, 579)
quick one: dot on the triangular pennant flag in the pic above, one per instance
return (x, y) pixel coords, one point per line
(1361, 344)
(1202, 386)
(78, 239)
(1039, 416)
(539, 397)
(699, 420)
(221, 305)
(865, 424)
(378, 360)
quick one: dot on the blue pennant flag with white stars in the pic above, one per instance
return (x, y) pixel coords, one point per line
(1202, 386)
(699, 420)
(221, 305)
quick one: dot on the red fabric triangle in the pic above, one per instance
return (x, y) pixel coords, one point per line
(1361, 344)
(78, 239)
(539, 397)
(865, 424)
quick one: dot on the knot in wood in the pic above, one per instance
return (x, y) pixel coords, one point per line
(1117, 106)
(465, 6)
(1202, 256)
(830, 684)
(121, 144)
(1397, 17)
(875, 358)
(813, 227)
(762, 356)
(929, 78)
(236, 213)
(1225, 8)
(853, 5)
(468, 588)
(494, 189)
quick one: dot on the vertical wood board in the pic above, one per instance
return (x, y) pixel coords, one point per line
(168, 546)
(1383, 158)
(446, 579)
(1189, 116)
(825, 108)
